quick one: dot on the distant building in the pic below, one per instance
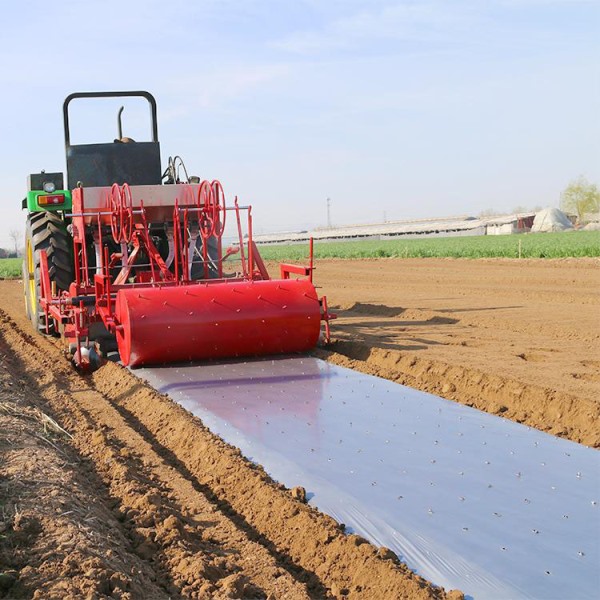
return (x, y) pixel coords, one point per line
(551, 219)
(444, 227)
(504, 225)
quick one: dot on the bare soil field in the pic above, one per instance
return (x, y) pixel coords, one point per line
(517, 338)
(136, 499)
(109, 490)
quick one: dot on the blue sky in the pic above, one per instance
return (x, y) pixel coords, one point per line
(396, 109)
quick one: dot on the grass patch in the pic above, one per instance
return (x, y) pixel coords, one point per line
(10, 268)
(571, 244)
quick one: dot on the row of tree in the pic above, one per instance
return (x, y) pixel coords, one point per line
(8, 253)
(17, 239)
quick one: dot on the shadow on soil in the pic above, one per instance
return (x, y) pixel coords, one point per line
(310, 579)
(85, 467)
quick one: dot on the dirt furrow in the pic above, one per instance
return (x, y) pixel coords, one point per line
(191, 544)
(59, 535)
(549, 410)
(517, 338)
(298, 533)
(205, 521)
(145, 502)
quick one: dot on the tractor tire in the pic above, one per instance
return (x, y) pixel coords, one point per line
(46, 231)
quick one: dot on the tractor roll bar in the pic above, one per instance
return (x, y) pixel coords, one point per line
(141, 94)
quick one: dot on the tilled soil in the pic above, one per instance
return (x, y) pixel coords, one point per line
(517, 338)
(108, 489)
(136, 499)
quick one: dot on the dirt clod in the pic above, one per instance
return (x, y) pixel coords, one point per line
(299, 493)
(387, 554)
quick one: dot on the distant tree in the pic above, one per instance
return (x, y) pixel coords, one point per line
(488, 212)
(580, 197)
(15, 236)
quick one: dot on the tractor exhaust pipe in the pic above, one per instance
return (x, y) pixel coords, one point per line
(119, 123)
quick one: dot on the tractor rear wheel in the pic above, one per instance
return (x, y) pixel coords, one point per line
(45, 231)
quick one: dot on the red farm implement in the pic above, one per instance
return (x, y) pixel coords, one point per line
(129, 264)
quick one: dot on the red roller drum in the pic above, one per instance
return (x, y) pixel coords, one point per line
(221, 320)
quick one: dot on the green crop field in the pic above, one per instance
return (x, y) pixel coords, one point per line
(532, 245)
(570, 244)
(10, 268)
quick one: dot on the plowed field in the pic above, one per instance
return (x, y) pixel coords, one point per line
(108, 489)
(518, 338)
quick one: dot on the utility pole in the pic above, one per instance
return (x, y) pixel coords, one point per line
(328, 213)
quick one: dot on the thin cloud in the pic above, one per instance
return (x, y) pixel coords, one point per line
(427, 21)
(225, 84)
(431, 23)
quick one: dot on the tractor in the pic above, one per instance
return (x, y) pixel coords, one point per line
(128, 261)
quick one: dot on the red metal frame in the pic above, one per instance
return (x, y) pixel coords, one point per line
(119, 228)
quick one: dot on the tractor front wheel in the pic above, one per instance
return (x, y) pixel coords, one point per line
(45, 231)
